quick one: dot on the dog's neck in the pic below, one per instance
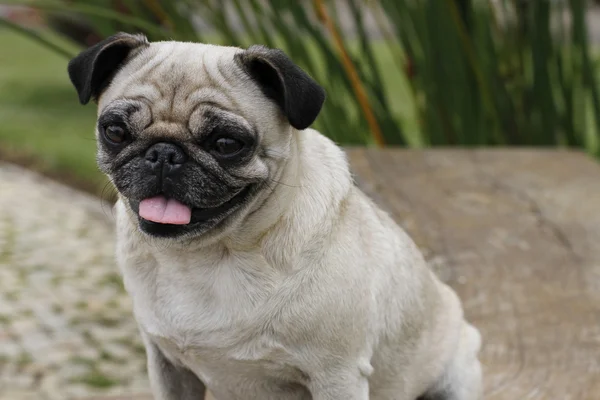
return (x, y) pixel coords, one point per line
(312, 184)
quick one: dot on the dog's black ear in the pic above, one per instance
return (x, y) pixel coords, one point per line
(297, 94)
(92, 70)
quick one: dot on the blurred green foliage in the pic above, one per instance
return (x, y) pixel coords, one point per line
(43, 124)
(436, 72)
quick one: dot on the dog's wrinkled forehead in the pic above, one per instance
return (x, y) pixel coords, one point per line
(175, 78)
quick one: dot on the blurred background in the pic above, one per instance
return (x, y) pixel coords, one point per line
(411, 73)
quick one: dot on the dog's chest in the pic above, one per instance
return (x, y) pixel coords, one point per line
(259, 365)
(180, 297)
(210, 319)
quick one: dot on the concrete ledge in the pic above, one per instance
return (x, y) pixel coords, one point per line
(517, 234)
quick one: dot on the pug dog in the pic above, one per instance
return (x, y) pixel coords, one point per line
(257, 269)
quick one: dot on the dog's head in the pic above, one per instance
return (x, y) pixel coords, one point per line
(191, 134)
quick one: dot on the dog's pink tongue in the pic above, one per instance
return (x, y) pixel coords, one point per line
(165, 211)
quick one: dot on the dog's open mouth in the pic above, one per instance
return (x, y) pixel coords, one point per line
(169, 211)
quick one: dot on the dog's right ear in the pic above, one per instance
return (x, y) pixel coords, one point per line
(299, 97)
(93, 69)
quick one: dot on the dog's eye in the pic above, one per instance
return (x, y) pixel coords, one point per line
(227, 146)
(115, 134)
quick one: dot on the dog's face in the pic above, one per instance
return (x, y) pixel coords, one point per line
(192, 135)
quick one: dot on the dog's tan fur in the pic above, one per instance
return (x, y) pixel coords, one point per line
(310, 291)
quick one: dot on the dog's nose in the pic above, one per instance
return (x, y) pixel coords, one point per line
(165, 158)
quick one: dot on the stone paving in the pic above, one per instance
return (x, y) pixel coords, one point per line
(66, 328)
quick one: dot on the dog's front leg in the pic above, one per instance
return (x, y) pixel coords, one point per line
(342, 386)
(169, 381)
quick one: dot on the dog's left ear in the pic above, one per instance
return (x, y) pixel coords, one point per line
(93, 69)
(298, 96)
